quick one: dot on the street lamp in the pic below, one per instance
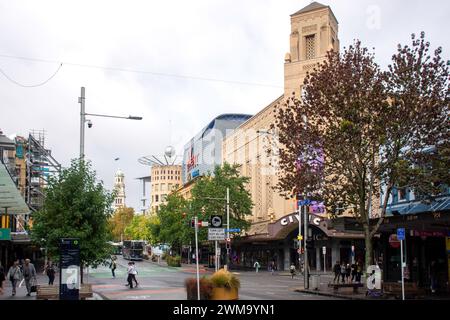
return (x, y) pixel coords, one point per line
(83, 120)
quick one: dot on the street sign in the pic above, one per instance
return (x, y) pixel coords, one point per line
(233, 230)
(304, 202)
(69, 277)
(204, 223)
(324, 250)
(216, 234)
(401, 233)
(216, 221)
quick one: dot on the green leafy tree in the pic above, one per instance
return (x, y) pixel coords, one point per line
(76, 206)
(119, 221)
(359, 132)
(139, 228)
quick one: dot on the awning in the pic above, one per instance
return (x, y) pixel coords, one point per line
(11, 201)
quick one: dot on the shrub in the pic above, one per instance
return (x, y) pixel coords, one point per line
(205, 288)
(173, 261)
(225, 279)
(164, 256)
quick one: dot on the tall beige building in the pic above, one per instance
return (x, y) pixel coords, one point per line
(119, 188)
(314, 31)
(164, 180)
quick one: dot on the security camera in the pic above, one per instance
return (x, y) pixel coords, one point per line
(89, 122)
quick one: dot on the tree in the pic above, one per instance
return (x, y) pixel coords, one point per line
(208, 198)
(358, 132)
(139, 228)
(76, 206)
(119, 221)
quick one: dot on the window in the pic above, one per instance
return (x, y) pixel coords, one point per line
(156, 198)
(310, 45)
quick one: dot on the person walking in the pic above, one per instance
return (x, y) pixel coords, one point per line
(2, 278)
(353, 272)
(256, 265)
(358, 271)
(134, 273)
(343, 272)
(29, 274)
(113, 266)
(433, 276)
(129, 275)
(14, 275)
(348, 271)
(50, 271)
(337, 271)
(292, 269)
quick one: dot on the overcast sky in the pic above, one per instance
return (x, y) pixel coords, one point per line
(232, 40)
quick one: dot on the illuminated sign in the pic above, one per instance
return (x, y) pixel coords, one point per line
(290, 219)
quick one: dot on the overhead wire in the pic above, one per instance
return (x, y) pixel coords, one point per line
(32, 85)
(162, 74)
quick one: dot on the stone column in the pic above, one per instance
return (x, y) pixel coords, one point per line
(319, 262)
(287, 256)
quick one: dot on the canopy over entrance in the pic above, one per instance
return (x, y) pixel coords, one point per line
(11, 201)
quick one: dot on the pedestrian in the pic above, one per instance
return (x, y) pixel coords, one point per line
(129, 276)
(2, 278)
(433, 276)
(348, 271)
(256, 265)
(14, 275)
(272, 267)
(337, 271)
(292, 269)
(358, 271)
(50, 271)
(29, 274)
(353, 270)
(113, 266)
(343, 272)
(134, 272)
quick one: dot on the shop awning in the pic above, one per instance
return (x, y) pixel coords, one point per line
(11, 201)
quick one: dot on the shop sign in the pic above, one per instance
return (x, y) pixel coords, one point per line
(393, 241)
(290, 219)
(428, 234)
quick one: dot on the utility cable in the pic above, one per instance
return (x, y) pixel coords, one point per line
(161, 74)
(33, 85)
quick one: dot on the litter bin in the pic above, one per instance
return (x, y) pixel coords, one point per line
(315, 279)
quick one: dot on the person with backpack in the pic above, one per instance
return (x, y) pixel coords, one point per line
(14, 275)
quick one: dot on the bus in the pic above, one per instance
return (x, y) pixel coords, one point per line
(117, 247)
(133, 249)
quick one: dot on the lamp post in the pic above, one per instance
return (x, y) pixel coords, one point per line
(83, 114)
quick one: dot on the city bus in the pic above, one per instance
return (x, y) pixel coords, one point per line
(117, 247)
(133, 249)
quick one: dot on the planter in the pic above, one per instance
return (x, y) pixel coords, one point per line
(224, 294)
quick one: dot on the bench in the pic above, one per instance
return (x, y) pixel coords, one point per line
(395, 289)
(355, 286)
(45, 292)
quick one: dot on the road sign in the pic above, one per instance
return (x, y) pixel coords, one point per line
(216, 221)
(304, 202)
(233, 230)
(204, 223)
(401, 233)
(216, 234)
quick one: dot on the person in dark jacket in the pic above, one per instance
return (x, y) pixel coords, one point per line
(354, 272)
(50, 271)
(433, 276)
(29, 274)
(337, 271)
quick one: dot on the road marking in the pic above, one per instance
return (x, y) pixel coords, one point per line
(143, 292)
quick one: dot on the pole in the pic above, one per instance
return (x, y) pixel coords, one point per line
(324, 263)
(228, 227)
(401, 261)
(305, 231)
(196, 257)
(81, 100)
(215, 256)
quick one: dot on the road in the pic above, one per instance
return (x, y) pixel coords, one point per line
(167, 283)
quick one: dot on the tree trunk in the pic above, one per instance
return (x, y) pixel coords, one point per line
(81, 272)
(368, 244)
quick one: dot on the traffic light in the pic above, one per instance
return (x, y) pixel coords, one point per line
(192, 223)
(228, 243)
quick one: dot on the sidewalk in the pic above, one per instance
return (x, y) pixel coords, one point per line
(21, 293)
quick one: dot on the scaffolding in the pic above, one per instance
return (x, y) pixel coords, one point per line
(40, 166)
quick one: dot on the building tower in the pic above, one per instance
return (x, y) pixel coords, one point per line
(119, 188)
(314, 32)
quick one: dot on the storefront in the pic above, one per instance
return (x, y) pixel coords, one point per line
(426, 241)
(279, 245)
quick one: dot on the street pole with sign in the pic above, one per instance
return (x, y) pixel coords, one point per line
(401, 237)
(69, 269)
(305, 237)
(299, 238)
(324, 251)
(228, 227)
